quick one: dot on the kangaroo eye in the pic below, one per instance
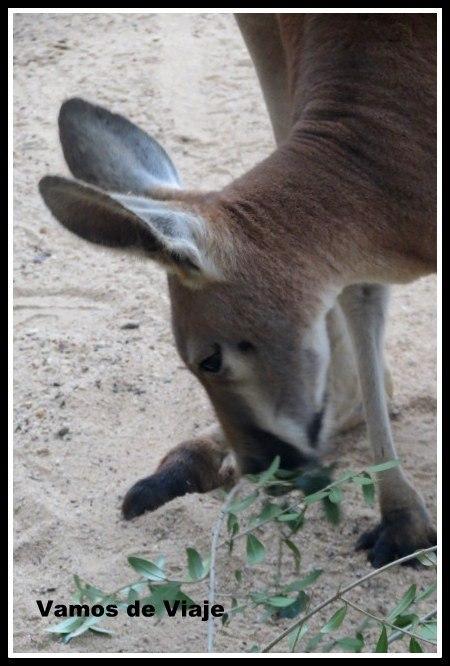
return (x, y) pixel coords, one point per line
(245, 346)
(213, 363)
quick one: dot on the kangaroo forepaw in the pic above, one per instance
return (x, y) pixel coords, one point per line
(196, 466)
(146, 495)
(400, 533)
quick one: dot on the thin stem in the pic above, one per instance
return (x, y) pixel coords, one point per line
(212, 570)
(340, 592)
(385, 622)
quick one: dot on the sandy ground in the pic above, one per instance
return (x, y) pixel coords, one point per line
(121, 396)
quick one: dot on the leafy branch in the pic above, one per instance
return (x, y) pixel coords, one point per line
(341, 592)
(212, 571)
(383, 621)
(280, 600)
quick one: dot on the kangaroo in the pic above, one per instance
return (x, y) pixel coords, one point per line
(279, 281)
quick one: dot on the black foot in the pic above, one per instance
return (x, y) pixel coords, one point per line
(152, 492)
(141, 497)
(400, 533)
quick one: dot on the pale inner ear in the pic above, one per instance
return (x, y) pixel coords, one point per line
(178, 232)
(168, 235)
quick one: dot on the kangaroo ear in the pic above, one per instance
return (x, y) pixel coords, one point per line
(166, 234)
(107, 150)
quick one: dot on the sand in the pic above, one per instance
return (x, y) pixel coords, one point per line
(97, 405)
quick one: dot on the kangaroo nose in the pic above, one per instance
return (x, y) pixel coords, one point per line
(264, 446)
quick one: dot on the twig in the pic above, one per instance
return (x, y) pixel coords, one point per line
(399, 633)
(212, 570)
(340, 592)
(385, 622)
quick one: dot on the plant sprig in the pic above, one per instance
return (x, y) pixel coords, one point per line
(281, 599)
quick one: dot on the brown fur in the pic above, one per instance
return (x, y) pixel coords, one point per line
(347, 198)
(355, 174)
(356, 177)
(358, 170)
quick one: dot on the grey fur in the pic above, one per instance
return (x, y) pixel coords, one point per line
(107, 150)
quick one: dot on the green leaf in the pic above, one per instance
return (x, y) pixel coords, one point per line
(160, 562)
(302, 583)
(369, 493)
(332, 511)
(313, 480)
(196, 566)
(87, 624)
(328, 646)
(382, 642)
(404, 603)
(295, 553)
(294, 609)
(101, 630)
(255, 550)
(315, 497)
(335, 621)
(269, 512)
(169, 592)
(269, 473)
(427, 592)
(383, 466)
(402, 621)
(232, 524)
(428, 559)
(351, 644)
(295, 524)
(66, 626)
(280, 602)
(428, 631)
(346, 476)
(78, 597)
(86, 590)
(288, 517)
(146, 568)
(241, 505)
(78, 583)
(235, 609)
(335, 495)
(296, 635)
(414, 645)
(363, 479)
(93, 593)
(238, 575)
(132, 595)
(314, 642)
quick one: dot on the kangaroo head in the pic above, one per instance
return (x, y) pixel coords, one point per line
(248, 322)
